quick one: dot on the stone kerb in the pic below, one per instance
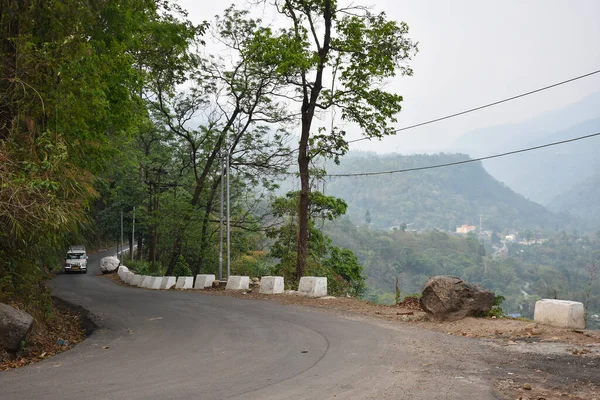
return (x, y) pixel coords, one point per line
(135, 280)
(204, 281)
(560, 313)
(168, 282)
(312, 286)
(184, 282)
(145, 281)
(271, 285)
(236, 282)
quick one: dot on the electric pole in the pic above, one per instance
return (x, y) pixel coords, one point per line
(228, 214)
(221, 218)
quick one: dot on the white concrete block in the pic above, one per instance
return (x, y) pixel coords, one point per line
(145, 281)
(136, 280)
(236, 282)
(184, 282)
(168, 282)
(271, 285)
(204, 281)
(561, 313)
(121, 271)
(128, 276)
(155, 282)
(312, 286)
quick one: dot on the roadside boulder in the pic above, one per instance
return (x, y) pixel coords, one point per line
(15, 325)
(450, 298)
(109, 264)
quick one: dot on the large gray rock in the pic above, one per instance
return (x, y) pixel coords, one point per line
(109, 264)
(15, 325)
(450, 298)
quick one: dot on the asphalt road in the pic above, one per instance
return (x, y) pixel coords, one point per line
(184, 345)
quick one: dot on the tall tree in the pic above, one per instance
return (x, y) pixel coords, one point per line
(231, 111)
(335, 56)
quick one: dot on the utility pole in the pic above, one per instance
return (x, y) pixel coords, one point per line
(228, 214)
(221, 219)
(133, 234)
(121, 235)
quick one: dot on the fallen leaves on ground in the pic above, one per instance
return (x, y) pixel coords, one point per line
(43, 342)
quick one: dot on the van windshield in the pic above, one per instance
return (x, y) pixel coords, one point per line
(75, 256)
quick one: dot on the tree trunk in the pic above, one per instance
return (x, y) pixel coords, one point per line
(204, 236)
(130, 240)
(154, 231)
(139, 248)
(175, 252)
(8, 57)
(304, 201)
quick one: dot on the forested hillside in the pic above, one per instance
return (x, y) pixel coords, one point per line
(436, 198)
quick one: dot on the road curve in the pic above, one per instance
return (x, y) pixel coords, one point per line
(184, 345)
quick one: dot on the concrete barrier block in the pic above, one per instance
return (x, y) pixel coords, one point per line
(312, 286)
(561, 313)
(127, 277)
(168, 282)
(184, 282)
(136, 280)
(236, 282)
(204, 281)
(145, 281)
(122, 271)
(155, 282)
(271, 285)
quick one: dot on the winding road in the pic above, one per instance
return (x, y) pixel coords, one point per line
(188, 345)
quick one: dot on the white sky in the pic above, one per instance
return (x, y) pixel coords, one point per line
(474, 52)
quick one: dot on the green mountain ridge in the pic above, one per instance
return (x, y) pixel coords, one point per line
(440, 198)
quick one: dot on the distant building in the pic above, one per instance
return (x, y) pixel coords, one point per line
(510, 238)
(465, 229)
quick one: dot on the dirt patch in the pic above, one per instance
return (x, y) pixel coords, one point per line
(68, 325)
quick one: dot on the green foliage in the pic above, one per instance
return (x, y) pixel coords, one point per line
(145, 267)
(182, 268)
(496, 310)
(339, 265)
(71, 78)
(253, 264)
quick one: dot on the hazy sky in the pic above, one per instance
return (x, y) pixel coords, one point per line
(473, 52)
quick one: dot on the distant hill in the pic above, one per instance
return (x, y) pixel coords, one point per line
(436, 198)
(581, 201)
(544, 174)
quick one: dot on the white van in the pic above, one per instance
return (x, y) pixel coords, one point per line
(76, 260)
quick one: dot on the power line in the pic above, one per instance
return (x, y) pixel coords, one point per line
(469, 160)
(487, 105)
